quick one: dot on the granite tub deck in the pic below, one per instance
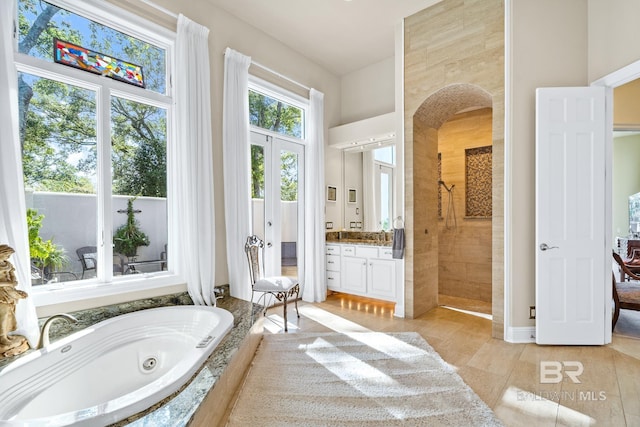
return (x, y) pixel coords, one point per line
(380, 238)
(204, 398)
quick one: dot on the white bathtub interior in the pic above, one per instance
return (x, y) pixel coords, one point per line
(113, 369)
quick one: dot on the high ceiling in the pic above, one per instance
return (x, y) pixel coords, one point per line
(340, 35)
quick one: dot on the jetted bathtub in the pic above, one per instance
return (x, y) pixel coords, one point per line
(111, 370)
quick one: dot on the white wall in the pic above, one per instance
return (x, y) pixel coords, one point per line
(368, 92)
(613, 36)
(548, 42)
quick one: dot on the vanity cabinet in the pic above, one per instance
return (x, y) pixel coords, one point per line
(368, 271)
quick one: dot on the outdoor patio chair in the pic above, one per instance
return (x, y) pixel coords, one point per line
(280, 287)
(88, 257)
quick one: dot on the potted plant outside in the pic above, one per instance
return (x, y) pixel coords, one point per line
(128, 237)
(45, 255)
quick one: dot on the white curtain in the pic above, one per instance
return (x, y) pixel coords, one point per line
(194, 255)
(371, 221)
(13, 222)
(237, 195)
(315, 284)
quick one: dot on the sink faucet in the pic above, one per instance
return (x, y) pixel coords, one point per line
(44, 335)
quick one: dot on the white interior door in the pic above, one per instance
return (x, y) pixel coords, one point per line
(571, 256)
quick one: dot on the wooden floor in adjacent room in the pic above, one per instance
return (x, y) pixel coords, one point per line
(506, 376)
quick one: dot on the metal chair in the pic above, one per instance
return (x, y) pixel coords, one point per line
(280, 287)
(88, 257)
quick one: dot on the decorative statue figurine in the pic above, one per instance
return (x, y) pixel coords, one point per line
(10, 345)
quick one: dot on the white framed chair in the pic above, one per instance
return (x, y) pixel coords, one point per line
(280, 287)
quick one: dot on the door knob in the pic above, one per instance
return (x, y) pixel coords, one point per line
(545, 247)
(269, 244)
(269, 223)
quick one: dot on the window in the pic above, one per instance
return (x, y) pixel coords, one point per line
(94, 149)
(269, 112)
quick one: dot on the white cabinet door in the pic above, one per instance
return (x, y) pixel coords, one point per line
(333, 280)
(354, 274)
(382, 278)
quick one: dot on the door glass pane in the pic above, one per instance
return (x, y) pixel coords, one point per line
(257, 190)
(289, 198)
(58, 141)
(139, 187)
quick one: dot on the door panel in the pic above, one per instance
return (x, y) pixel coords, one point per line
(277, 201)
(571, 261)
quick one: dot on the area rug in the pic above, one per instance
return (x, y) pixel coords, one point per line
(354, 379)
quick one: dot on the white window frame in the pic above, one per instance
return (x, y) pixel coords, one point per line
(118, 19)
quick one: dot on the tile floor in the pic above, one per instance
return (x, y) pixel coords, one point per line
(506, 376)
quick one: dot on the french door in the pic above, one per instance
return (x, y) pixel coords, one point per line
(277, 201)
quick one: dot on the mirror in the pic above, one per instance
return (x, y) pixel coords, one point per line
(368, 188)
(360, 164)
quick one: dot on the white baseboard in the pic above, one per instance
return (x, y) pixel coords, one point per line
(525, 334)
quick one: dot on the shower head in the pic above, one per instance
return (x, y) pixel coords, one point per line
(441, 182)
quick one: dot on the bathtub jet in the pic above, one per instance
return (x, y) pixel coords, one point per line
(112, 370)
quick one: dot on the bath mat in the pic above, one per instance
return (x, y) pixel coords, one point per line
(355, 379)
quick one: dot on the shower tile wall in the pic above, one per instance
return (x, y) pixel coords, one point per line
(464, 253)
(452, 42)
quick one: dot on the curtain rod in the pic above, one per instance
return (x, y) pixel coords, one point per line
(290, 80)
(159, 8)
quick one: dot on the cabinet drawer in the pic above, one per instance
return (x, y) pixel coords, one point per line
(333, 262)
(367, 252)
(385, 253)
(333, 279)
(348, 250)
(333, 250)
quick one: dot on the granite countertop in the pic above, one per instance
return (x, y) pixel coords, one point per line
(360, 242)
(179, 408)
(380, 238)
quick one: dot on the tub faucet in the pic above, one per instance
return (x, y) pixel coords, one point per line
(44, 334)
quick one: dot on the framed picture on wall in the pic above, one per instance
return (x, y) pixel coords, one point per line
(331, 193)
(352, 195)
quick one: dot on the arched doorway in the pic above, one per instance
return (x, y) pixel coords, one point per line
(422, 213)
